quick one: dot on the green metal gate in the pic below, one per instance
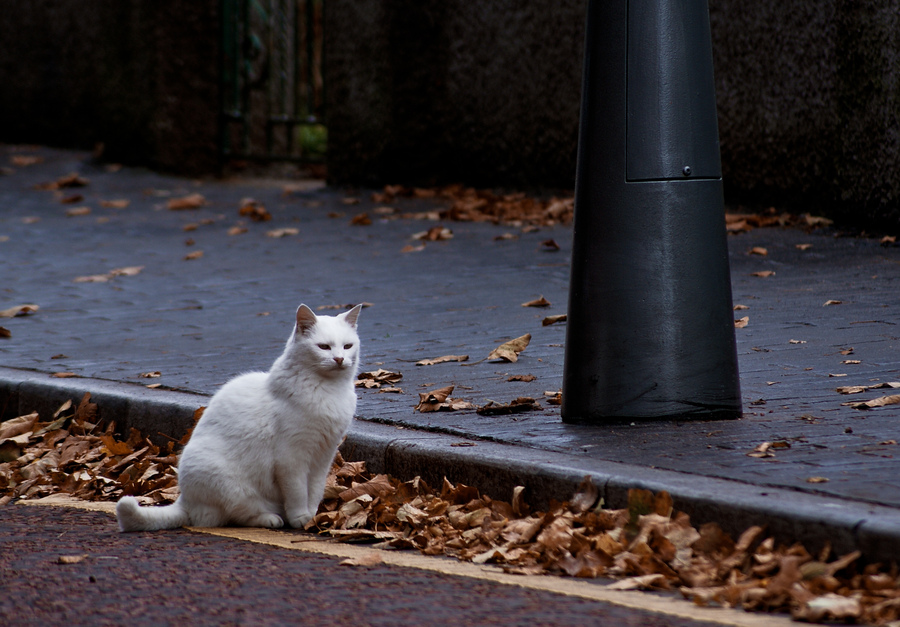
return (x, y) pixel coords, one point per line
(273, 87)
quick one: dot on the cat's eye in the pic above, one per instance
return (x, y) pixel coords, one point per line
(324, 347)
(348, 346)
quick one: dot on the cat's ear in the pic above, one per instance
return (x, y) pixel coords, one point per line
(306, 319)
(351, 316)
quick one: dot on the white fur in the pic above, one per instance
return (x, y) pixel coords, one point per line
(260, 454)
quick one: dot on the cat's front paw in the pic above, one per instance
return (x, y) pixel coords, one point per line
(298, 521)
(269, 521)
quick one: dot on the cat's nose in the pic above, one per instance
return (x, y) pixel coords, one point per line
(339, 360)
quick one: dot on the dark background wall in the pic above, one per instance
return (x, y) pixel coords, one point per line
(486, 93)
(140, 76)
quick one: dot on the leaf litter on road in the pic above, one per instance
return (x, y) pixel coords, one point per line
(647, 544)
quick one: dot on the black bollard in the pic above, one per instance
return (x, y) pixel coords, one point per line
(650, 323)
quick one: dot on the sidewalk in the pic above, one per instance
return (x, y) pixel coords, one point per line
(199, 322)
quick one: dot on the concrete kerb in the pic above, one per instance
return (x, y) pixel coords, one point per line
(496, 468)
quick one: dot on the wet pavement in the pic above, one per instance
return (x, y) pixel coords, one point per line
(199, 322)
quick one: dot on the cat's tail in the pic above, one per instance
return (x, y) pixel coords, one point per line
(133, 517)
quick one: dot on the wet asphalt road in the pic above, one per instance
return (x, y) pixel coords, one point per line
(181, 577)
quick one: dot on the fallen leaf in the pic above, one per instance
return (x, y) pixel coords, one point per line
(816, 480)
(549, 245)
(434, 234)
(526, 378)
(516, 406)
(361, 219)
(150, 375)
(4, 332)
(409, 248)
(540, 302)
(441, 360)
(63, 375)
(366, 559)
(509, 351)
(759, 250)
(643, 582)
(78, 211)
(121, 203)
(71, 199)
(194, 255)
(832, 302)
(546, 322)
(377, 378)
(70, 559)
(237, 230)
(763, 273)
(887, 240)
(276, 233)
(254, 210)
(803, 246)
(191, 201)
(851, 361)
(348, 200)
(70, 180)
(743, 322)
(435, 400)
(876, 402)
(18, 310)
(22, 161)
(740, 307)
(796, 341)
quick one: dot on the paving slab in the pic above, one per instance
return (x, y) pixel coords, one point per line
(198, 322)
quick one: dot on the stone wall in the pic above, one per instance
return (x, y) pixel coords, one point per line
(139, 76)
(487, 93)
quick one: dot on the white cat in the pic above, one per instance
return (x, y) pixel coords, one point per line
(260, 454)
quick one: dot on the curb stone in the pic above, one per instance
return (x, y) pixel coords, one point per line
(497, 468)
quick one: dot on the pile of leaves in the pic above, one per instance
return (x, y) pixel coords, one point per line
(467, 204)
(70, 453)
(645, 545)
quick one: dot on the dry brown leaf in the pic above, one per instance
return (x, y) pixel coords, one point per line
(70, 180)
(120, 203)
(434, 234)
(191, 201)
(18, 310)
(759, 250)
(742, 322)
(70, 559)
(367, 559)
(197, 254)
(254, 210)
(554, 319)
(361, 219)
(832, 302)
(516, 406)
(763, 273)
(539, 302)
(78, 211)
(377, 378)
(441, 360)
(509, 351)
(23, 161)
(277, 233)
(883, 401)
(525, 378)
(5, 333)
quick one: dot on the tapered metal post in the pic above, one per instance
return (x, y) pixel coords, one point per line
(650, 324)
